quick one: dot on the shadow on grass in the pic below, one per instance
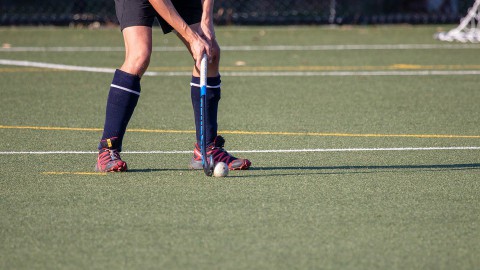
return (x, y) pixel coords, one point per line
(381, 167)
(329, 169)
(360, 169)
(158, 170)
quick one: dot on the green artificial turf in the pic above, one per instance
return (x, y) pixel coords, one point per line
(324, 209)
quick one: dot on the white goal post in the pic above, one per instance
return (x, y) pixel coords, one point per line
(468, 30)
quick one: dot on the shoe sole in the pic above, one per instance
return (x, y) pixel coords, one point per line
(116, 168)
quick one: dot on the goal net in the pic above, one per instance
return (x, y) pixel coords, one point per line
(468, 30)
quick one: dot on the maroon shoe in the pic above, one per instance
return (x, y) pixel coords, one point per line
(108, 159)
(219, 155)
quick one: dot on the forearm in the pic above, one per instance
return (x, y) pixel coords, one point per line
(168, 12)
(207, 14)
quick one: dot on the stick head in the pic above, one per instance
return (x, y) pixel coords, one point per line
(208, 166)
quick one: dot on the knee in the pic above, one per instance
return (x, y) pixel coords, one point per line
(216, 51)
(137, 61)
(214, 65)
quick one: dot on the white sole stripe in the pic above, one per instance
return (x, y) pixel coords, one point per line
(255, 151)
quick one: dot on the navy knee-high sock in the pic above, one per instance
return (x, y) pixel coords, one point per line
(213, 98)
(121, 102)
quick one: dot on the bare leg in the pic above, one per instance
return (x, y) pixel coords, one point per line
(123, 97)
(138, 49)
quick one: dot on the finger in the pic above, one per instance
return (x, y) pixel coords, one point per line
(208, 51)
(198, 62)
(198, 59)
(210, 57)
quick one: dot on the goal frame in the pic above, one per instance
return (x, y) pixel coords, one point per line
(468, 30)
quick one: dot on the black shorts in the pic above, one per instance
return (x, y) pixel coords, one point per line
(141, 13)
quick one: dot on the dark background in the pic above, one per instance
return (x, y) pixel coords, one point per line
(249, 12)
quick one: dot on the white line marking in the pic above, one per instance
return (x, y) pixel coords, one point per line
(72, 68)
(46, 152)
(54, 66)
(251, 73)
(352, 73)
(255, 151)
(259, 48)
(360, 149)
(63, 49)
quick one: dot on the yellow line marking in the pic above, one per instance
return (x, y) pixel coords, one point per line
(321, 134)
(328, 68)
(238, 132)
(74, 173)
(97, 129)
(50, 128)
(161, 131)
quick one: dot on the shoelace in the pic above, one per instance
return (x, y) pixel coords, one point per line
(109, 155)
(221, 155)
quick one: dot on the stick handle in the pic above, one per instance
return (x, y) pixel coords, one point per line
(203, 72)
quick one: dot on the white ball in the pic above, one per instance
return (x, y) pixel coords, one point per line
(221, 170)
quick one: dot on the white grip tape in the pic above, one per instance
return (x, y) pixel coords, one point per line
(203, 71)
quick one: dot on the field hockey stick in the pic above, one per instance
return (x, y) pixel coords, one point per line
(206, 163)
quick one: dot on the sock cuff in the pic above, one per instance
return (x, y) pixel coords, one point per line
(126, 82)
(214, 82)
